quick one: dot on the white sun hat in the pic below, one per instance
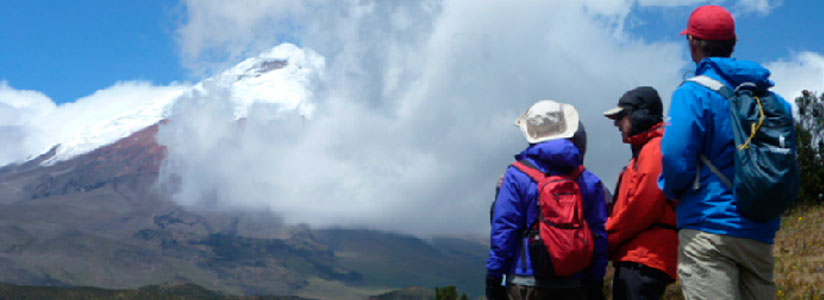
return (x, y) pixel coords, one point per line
(548, 120)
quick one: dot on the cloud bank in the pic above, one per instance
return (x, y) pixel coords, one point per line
(20, 113)
(803, 71)
(413, 109)
(414, 104)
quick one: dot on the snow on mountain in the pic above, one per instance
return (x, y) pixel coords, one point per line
(111, 124)
(280, 75)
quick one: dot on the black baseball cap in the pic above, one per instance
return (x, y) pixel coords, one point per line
(643, 97)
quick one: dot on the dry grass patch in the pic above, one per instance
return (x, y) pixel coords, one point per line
(799, 254)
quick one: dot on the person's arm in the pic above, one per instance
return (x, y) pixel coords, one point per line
(644, 206)
(507, 218)
(507, 224)
(682, 140)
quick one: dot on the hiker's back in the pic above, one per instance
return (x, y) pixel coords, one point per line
(707, 203)
(722, 253)
(560, 240)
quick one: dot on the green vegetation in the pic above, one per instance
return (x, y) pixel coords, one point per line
(412, 293)
(810, 129)
(448, 293)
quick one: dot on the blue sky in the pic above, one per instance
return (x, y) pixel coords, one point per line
(789, 27)
(70, 49)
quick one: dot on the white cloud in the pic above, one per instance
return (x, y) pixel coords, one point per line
(223, 31)
(414, 108)
(31, 123)
(804, 71)
(20, 112)
(738, 7)
(672, 3)
(762, 7)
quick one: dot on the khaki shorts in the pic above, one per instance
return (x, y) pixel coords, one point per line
(718, 267)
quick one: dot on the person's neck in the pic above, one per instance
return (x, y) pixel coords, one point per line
(698, 57)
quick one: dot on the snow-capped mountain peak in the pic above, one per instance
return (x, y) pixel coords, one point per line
(280, 75)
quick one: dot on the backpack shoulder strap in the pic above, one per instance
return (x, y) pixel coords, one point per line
(536, 174)
(577, 172)
(529, 169)
(713, 84)
(727, 92)
(715, 170)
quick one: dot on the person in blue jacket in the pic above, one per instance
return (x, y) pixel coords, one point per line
(549, 127)
(722, 254)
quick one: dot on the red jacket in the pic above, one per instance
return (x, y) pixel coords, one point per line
(641, 228)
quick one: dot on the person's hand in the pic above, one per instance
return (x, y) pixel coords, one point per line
(494, 289)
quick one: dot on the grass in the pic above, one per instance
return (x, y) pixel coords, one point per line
(799, 254)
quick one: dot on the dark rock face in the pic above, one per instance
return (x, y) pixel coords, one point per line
(122, 162)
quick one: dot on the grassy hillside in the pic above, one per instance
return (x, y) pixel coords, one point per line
(799, 254)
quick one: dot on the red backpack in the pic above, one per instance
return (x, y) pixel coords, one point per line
(560, 241)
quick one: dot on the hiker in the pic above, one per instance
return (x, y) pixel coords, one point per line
(517, 240)
(723, 253)
(643, 241)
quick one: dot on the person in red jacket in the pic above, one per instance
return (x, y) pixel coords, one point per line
(643, 241)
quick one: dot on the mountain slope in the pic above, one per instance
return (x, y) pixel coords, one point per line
(396, 260)
(98, 219)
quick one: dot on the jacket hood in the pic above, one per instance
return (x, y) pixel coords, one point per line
(736, 72)
(557, 154)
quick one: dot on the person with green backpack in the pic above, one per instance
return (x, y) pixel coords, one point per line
(729, 157)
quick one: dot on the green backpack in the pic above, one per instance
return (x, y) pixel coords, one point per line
(767, 175)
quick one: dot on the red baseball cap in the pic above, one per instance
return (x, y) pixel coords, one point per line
(711, 22)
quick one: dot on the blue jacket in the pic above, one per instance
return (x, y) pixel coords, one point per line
(700, 124)
(516, 209)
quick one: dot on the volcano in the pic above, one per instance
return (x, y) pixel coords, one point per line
(89, 212)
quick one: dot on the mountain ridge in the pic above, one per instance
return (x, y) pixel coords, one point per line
(99, 219)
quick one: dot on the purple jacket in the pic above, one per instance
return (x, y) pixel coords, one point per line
(516, 209)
